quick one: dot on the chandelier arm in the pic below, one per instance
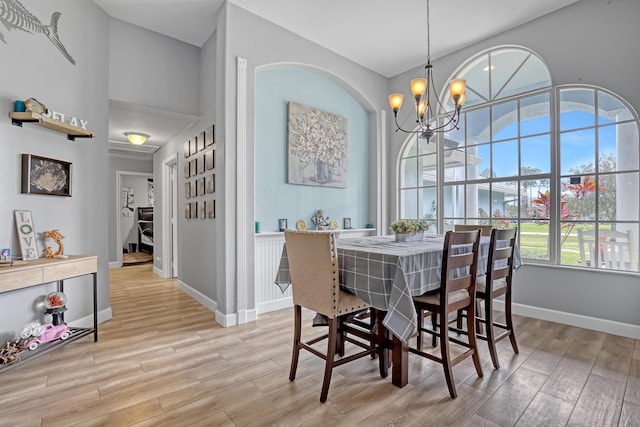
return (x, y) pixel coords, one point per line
(398, 128)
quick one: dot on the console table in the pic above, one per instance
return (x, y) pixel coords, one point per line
(48, 270)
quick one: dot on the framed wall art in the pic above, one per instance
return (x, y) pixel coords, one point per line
(194, 189)
(210, 206)
(26, 235)
(187, 210)
(210, 183)
(41, 175)
(187, 190)
(317, 147)
(187, 168)
(193, 167)
(187, 149)
(201, 185)
(192, 146)
(209, 159)
(201, 161)
(200, 140)
(208, 136)
(194, 210)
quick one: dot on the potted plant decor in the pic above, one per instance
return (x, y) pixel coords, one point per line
(409, 229)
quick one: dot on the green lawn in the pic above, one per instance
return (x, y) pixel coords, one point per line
(534, 244)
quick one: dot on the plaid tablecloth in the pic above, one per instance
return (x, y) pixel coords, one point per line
(387, 274)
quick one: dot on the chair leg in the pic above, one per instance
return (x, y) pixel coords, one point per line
(491, 340)
(331, 352)
(297, 332)
(446, 359)
(340, 337)
(434, 322)
(383, 338)
(479, 325)
(509, 321)
(420, 326)
(473, 344)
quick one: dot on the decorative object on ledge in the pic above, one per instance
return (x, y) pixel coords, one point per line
(409, 229)
(35, 106)
(422, 89)
(136, 138)
(57, 237)
(347, 223)
(26, 235)
(282, 224)
(301, 225)
(320, 221)
(72, 132)
(41, 175)
(317, 152)
(334, 224)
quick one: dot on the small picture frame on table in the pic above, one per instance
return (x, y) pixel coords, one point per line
(282, 224)
(347, 223)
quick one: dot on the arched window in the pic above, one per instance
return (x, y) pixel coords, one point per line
(498, 167)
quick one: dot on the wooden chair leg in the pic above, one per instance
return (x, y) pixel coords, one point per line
(297, 332)
(331, 353)
(434, 323)
(340, 337)
(491, 340)
(383, 339)
(479, 325)
(446, 358)
(473, 344)
(509, 321)
(420, 326)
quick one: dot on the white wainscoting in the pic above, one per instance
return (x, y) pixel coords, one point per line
(268, 252)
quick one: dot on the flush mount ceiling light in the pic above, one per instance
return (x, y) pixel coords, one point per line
(422, 89)
(136, 138)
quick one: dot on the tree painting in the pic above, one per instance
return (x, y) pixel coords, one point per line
(317, 147)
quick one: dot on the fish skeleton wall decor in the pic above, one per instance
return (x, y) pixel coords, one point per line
(15, 16)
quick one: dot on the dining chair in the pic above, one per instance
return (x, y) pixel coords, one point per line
(485, 229)
(313, 264)
(496, 282)
(617, 250)
(457, 292)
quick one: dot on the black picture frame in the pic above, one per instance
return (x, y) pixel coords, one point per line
(42, 175)
(346, 223)
(282, 224)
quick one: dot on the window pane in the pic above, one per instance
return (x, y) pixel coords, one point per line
(505, 121)
(412, 147)
(536, 155)
(427, 164)
(534, 240)
(534, 115)
(477, 201)
(611, 109)
(578, 200)
(479, 162)
(409, 172)
(532, 75)
(570, 253)
(478, 126)
(457, 135)
(454, 165)
(430, 207)
(504, 63)
(618, 147)
(577, 108)
(408, 204)
(577, 152)
(453, 201)
(504, 200)
(618, 197)
(505, 158)
(535, 199)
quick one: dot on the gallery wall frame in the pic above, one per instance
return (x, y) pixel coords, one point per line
(43, 175)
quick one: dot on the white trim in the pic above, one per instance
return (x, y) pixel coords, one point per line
(242, 190)
(114, 264)
(199, 296)
(167, 193)
(246, 316)
(602, 325)
(265, 307)
(226, 320)
(159, 272)
(87, 321)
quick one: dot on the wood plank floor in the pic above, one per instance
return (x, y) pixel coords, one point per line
(163, 361)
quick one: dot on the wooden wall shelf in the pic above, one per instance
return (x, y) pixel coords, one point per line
(72, 132)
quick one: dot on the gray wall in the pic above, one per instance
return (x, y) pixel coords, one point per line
(590, 42)
(147, 68)
(33, 67)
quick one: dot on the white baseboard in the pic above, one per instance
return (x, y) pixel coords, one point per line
(246, 316)
(226, 320)
(114, 264)
(87, 321)
(199, 296)
(587, 322)
(273, 305)
(159, 272)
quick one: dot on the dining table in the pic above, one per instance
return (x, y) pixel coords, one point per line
(387, 274)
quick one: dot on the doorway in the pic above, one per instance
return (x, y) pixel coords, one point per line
(170, 217)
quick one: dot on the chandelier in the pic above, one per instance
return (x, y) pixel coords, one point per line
(422, 89)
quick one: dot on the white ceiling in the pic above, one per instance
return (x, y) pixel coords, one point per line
(388, 37)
